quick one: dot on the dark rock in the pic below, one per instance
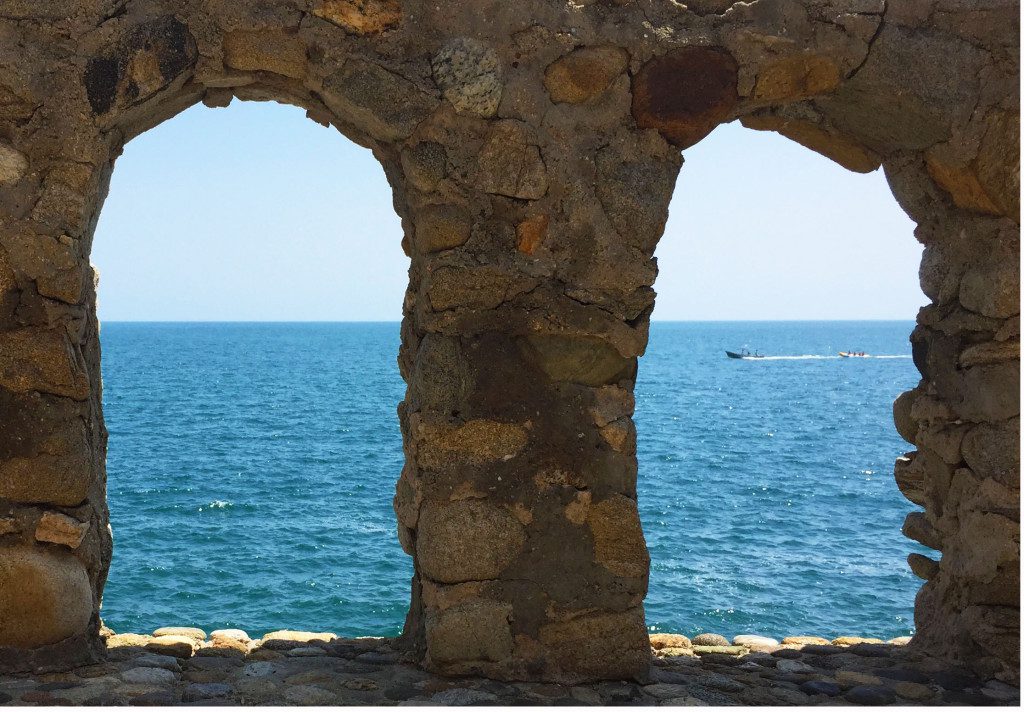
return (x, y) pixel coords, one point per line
(820, 687)
(789, 653)
(972, 699)
(871, 650)
(955, 680)
(160, 698)
(401, 691)
(52, 686)
(5, 698)
(870, 695)
(903, 675)
(819, 650)
(375, 658)
(205, 690)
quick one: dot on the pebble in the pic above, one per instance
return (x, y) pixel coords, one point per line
(665, 691)
(849, 678)
(205, 690)
(870, 695)
(166, 662)
(230, 634)
(309, 695)
(790, 697)
(755, 641)
(913, 690)
(820, 687)
(194, 633)
(794, 666)
(305, 652)
(148, 676)
(710, 639)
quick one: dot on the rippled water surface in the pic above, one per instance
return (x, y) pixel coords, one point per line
(251, 469)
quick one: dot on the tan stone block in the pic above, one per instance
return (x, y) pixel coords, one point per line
(805, 640)
(660, 641)
(610, 404)
(42, 360)
(474, 442)
(194, 633)
(483, 287)
(45, 596)
(796, 77)
(584, 73)
(841, 149)
(618, 538)
(270, 50)
(9, 525)
(855, 640)
(360, 17)
(474, 630)
(61, 480)
(468, 540)
(59, 528)
(442, 227)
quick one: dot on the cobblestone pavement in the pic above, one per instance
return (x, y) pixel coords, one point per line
(184, 666)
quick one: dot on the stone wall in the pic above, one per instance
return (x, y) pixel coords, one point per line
(532, 148)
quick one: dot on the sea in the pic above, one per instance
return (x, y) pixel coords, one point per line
(251, 468)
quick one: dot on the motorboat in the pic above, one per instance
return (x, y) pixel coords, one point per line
(744, 353)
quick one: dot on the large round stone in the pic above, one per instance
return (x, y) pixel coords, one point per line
(45, 596)
(466, 541)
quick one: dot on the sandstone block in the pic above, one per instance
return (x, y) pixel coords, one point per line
(42, 360)
(13, 164)
(991, 286)
(584, 73)
(53, 264)
(45, 596)
(474, 442)
(467, 540)
(468, 73)
(442, 227)
(618, 539)
(270, 50)
(685, 93)
(610, 404)
(831, 144)
(360, 17)
(193, 633)
(482, 287)
(796, 77)
(59, 528)
(475, 630)
(993, 450)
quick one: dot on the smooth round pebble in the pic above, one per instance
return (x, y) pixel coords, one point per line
(709, 639)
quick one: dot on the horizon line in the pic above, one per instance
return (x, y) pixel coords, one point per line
(399, 321)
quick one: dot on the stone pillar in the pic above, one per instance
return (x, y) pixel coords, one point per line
(54, 534)
(964, 416)
(524, 319)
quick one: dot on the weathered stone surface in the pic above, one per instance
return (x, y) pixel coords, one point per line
(194, 633)
(272, 50)
(585, 360)
(584, 73)
(510, 163)
(618, 539)
(360, 17)
(603, 646)
(466, 541)
(45, 596)
(530, 233)
(380, 102)
(442, 227)
(475, 630)
(706, 639)
(841, 149)
(468, 73)
(685, 93)
(669, 640)
(59, 528)
(796, 77)
(475, 442)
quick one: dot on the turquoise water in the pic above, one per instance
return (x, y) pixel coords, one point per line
(251, 468)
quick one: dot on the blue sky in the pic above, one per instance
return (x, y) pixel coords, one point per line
(256, 213)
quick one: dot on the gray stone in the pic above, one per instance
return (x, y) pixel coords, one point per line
(664, 691)
(870, 695)
(260, 668)
(205, 690)
(468, 73)
(149, 676)
(1000, 691)
(309, 695)
(710, 639)
(820, 687)
(461, 697)
(794, 666)
(167, 662)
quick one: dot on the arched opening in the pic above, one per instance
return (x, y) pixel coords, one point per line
(766, 485)
(251, 282)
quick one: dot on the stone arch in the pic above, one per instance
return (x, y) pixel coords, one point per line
(532, 158)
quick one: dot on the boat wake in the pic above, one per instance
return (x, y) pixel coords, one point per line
(819, 357)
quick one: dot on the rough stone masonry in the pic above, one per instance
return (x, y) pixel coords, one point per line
(532, 148)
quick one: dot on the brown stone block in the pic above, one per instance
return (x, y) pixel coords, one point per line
(58, 528)
(42, 360)
(584, 73)
(53, 264)
(923, 567)
(917, 527)
(475, 442)
(605, 645)
(468, 540)
(270, 50)
(45, 596)
(530, 233)
(910, 479)
(360, 17)
(685, 93)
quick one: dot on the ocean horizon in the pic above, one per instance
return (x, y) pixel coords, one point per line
(269, 450)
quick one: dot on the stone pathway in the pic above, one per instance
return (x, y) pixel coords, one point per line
(183, 666)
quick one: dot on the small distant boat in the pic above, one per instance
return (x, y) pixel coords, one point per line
(853, 354)
(743, 354)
